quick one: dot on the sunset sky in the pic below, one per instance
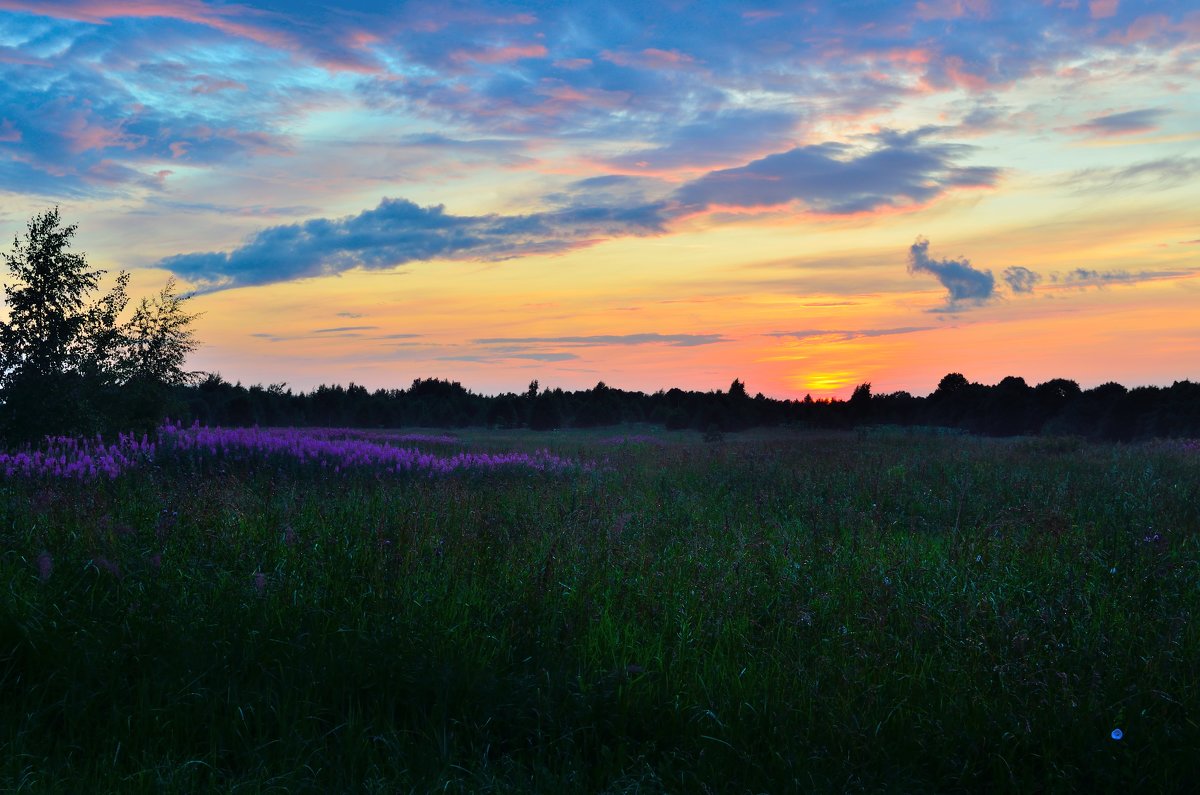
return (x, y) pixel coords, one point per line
(802, 195)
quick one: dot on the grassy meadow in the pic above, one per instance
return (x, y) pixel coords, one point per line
(770, 612)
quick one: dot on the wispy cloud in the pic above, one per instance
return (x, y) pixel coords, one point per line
(893, 170)
(676, 340)
(1127, 123)
(1162, 173)
(710, 139)
(1087, 277)
(844, 335)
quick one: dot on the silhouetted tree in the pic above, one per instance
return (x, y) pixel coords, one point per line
(1007, 410)
(546, 414)
(57, 346)
(155, 344)
(859, 405)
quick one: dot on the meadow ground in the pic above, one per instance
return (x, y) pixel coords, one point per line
(774, 612)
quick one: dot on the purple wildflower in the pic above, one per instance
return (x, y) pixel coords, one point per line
(45, 566)
(108, 565)
(333, 450)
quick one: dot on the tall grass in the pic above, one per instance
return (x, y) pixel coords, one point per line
(767, 614)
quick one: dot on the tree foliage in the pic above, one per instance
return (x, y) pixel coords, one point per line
(67, 362)
(158, 339)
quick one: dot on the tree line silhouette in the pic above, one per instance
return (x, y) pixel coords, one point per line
(1009, 408)
(69, 365)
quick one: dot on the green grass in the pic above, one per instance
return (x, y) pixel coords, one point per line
(775, 613)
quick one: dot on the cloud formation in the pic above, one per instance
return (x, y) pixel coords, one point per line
(399, 231)
(1127, 123)
(1021, 279)
(964, 284)
(101, 96)
(1087, 277)
(895, 171)
(898, 170)
(843, 335)
(675, 340)
(1160, 174)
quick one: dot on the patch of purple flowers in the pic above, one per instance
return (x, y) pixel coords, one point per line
(335, 450)
(338, 454)
(82, 459)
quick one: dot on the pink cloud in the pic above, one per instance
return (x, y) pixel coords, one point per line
(650, 58)
(760, 15)
(514, 52)
(952, 9)
(234, 19)
(15, 56)
(99, 12)
(560, 93)
(83, 134)
(1102, 9)
(432, 18)
(9, 134)
(961, 77)
(212, 85)
(573, 63)
(110, 172)
(909, 55)
(664, 57)
(1144, 28)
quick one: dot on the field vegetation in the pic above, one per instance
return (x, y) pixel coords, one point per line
(759, 612)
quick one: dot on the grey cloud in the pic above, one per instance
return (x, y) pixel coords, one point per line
(1163, 173)
(545, 357)
(843, 335)
(839, 179)
(1086, 277)
(494, 356)
(341, 329)
(711, 139)
(1127, 123)
(1021, 279)
(676, 340)
(963, 283)
(399, 231)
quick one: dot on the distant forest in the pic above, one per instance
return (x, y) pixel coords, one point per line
(1009, 408)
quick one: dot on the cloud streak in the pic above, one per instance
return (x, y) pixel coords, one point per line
(900, 170)
(843, 335)
(1127, 123)
(674, 340)
(398, 231)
